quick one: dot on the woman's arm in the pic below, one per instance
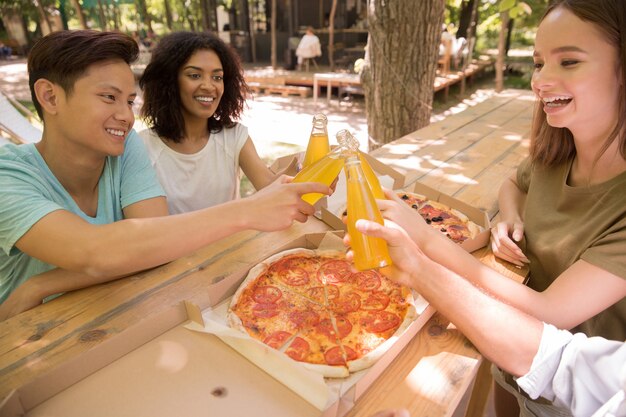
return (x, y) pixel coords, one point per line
(579, 293)
(253, 166)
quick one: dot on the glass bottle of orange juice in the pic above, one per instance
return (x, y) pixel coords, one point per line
(369, 252)
(318, 145)
(371, 177)
(328, 168)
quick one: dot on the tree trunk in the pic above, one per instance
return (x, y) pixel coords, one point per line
(43, 17)
(398, 74)
(273, 35)
(101, 16)
(465, 18)
(504, 17)
(206, 17)
(331, 36)
(252, 33)
(145, 16)
(80, 14)
(168, 14)
(471, 41)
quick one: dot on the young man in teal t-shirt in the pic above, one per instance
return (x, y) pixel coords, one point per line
(83, 205)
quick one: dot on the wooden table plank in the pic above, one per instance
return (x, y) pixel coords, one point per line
(43, 338)
(478, 147)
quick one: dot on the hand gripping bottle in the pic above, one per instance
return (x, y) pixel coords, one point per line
(328, 168)
(369, 252)
(318, 145)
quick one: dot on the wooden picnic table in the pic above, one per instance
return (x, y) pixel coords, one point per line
(466, 155)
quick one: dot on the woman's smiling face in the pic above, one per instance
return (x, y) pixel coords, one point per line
(576, 73)
(201, 84)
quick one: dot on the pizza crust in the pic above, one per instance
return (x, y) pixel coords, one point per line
(372, 357)
(328, 371)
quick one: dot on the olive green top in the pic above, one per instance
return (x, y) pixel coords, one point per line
(563, 224)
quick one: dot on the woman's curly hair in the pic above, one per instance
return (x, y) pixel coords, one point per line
(162, 106)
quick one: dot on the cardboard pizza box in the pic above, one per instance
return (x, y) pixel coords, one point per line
(474, 214)
(160, 368)
(336, 204)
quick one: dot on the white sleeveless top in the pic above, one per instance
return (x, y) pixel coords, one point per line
(206, 178)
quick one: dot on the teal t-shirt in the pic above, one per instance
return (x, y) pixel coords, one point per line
(29, 191)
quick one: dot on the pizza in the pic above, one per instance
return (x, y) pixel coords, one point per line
(314, 308)
(449, 221)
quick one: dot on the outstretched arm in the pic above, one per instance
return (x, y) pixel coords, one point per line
(67, 241)
(566, 303)
(507, 336)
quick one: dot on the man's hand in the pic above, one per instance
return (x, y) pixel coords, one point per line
(23, 298)
(276, 206)
(406, 256)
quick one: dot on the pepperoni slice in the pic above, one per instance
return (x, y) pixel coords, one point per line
(367, 280)
(268, 294)
(376, 301)
(298, 349)
(380, 321)
(304, 319)
(334, 271)
(277, 339)
(334, 356)
(346, 303)
(294, 276)
(265, 310)
(457, 233)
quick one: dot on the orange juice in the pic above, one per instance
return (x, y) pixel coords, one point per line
(318, 145)
(325, 171)
(369, 252)
(371, 177)
(317, 148)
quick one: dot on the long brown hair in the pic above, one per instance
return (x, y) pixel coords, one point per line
(553, 145)
(162, 107)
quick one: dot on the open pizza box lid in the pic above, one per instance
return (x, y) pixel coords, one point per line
(158, 367)
(474, 214)
(336, 205)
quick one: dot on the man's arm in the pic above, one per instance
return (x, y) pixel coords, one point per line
(65, 240)
(505, 335)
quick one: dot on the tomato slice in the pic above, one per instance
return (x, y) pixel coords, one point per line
(334, 356)
(377, 300)
(380, 321)
(350, 353)
(304, 319)
(343, 326)
(277, 339)
(298, 349)
(268, 294)
(334, 271)
(346, 303)
(294, 276)
(367, 280)
(265, 310)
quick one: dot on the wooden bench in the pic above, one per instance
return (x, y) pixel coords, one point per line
(282, 89)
